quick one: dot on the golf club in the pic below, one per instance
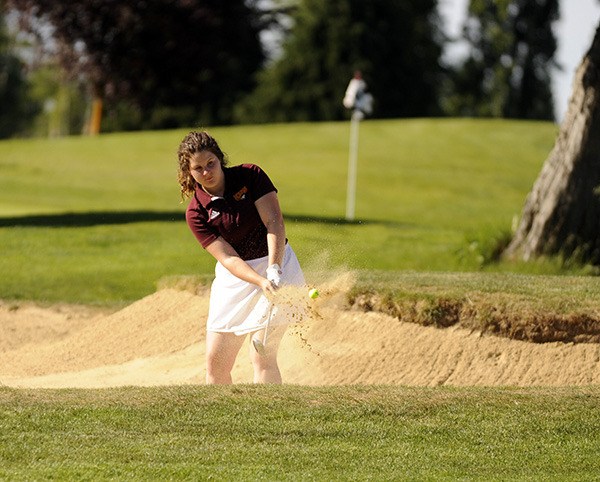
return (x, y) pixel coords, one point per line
(261, 346)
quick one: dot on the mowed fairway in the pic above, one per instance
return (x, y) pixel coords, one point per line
(114, 391)
(100, 219)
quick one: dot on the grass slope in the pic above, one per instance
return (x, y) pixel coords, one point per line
(295, 433)
(100, 219)
(531, 308)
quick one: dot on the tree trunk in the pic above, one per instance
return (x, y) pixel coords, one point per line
(562, 212)
(95, 116)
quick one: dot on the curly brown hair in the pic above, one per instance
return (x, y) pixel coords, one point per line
(195, 141)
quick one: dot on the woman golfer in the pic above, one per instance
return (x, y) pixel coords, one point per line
(235, 215)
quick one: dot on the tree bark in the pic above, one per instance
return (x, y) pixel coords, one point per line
(562, 212)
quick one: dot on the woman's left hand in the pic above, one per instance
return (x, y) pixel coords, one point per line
(274, 275)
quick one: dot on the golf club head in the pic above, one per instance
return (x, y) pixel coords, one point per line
(259, 347)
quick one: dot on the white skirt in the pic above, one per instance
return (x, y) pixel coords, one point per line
(239, 307)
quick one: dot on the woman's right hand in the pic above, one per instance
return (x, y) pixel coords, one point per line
(267, 287)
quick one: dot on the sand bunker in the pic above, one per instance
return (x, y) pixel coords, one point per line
(159, 340)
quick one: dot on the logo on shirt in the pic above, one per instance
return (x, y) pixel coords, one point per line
(214, 214)
(241, 194)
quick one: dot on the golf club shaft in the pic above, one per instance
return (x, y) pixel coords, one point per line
(267, 325)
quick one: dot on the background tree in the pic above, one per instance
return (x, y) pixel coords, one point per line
(395, 44)
(507, 73)
(64, 102)
(16, 111)
(562, 212)
(174, 62)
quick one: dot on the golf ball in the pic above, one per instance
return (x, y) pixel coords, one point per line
(313, 293)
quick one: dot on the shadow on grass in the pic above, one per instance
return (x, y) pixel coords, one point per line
(95, 218)
(299, 218)
(91, 218)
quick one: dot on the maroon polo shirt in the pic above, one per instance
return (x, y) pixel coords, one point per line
(234, 216)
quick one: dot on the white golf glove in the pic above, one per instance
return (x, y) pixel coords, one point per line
(274, 275)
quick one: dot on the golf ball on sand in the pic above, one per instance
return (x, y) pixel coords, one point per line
(313, 293)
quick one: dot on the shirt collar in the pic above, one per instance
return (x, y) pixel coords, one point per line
(207, 200)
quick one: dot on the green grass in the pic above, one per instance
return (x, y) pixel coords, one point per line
(556, 294)
(99, 220)
(291, 433)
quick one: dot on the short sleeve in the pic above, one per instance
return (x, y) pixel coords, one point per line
(261, 183)
(196, 220)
